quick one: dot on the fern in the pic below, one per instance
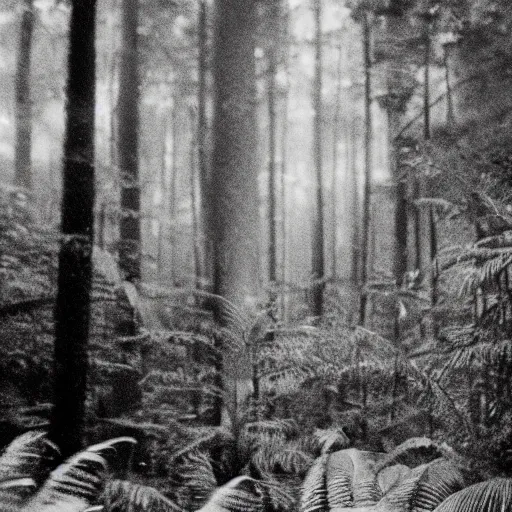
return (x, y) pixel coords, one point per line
(491, 496)
(123, 496)
(78, 482)
(415, 449)
(241, 493)
(424, 488)
(314, 488)
(197, 480)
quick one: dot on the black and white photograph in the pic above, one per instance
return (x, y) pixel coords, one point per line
(255, 255)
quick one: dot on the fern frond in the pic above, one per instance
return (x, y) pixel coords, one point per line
(413, 452)
(198, 480)
(241, 493)
(424, 488)
(124, 496)
(230, 316)
(24, 465)
(314, 488)
(491, 496)
(479, 255)
(330, 440)
(28, 455)
(78, 482)
(277, 456)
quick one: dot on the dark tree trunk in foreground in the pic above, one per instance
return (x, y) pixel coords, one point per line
(367, 167)
(72, 309)
(318, 209)
(23, 111)
(234, 178)
(128, 122)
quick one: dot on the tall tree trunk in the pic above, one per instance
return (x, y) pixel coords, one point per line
(202, 144)
(72, 310)
(318, 270)
(173, 195)
(284, 162)
(367, 167)
(128, 131)
(355, 238)
(396, 108)
(234, 177)
(23, 111)
(335, 142)
(272, 142)
(196, 242)
(450, 114)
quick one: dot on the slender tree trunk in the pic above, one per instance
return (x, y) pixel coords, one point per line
(196, 242)
(356, 242)
(334, 181)
(284, 164)
(23, 111)
(163, 187)
(202, 143)
(318, 263)
(450, 114)
(128, 130)
(72, 310)
(367, 167)
(173, 196)
(272, 147)
(234, 178)
(426, 84)
(395, 78)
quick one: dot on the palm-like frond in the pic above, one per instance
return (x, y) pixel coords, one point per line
(78, 482)
(485, 274)
(414, 452)
(198, 480)
(25, 464)
(478, 254)
(314, 489)
(229, 315)
(424, 487)
(278, 456)
(28, 455)
(491, 496)
(123, 496)
(241, 493)
(330, 440)
(494, 242)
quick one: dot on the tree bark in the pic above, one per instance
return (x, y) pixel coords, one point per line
(272, 146)
(284, 163)
(355, 270)
(23, 109)
(128, 130)
(173, 196)
(234, 178)
(234, 171)
(196, 242)
(367, 167)
(318, 271)
(72, 311)
(202, 146)
(336, 138)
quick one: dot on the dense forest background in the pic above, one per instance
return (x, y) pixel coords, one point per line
(259, 251)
